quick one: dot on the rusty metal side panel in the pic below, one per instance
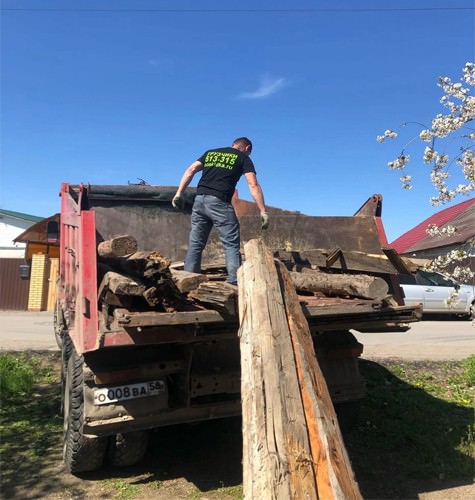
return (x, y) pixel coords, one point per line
(156, 226)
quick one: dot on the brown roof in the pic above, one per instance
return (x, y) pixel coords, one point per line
(36, 233)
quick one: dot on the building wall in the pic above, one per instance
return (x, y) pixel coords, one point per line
(10, 228)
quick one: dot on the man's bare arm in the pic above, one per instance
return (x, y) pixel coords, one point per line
(187, 177)
(256, 191)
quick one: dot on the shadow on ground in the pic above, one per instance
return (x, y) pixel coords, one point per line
(407, 441)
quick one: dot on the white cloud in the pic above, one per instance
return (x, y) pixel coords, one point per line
(267, 87)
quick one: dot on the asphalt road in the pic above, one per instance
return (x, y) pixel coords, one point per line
(428, 339)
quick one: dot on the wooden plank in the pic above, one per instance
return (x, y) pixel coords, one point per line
(292, 447)
(127, 318)
(217, 295)
(347, 260)
(276, 455)
(333, 472)
(52, 283)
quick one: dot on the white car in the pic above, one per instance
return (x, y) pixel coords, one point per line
(433, 290)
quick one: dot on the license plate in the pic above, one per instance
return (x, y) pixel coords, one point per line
(107, 395)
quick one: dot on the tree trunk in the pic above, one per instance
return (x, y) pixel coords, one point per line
(355, 285)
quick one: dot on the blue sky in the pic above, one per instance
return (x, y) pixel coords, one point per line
(108, 91)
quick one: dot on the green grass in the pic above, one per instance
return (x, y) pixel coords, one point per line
(416, 423)
(30, 426)
(16, 377)
(123, 490)
(416, 427)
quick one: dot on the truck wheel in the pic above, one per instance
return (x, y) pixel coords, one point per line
(58, 324)
(128, 448)
(80, 453)
(66, 349)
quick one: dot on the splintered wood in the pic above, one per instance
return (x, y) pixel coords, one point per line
(292, 445)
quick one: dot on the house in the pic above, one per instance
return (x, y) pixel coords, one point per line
(418, 244)
(11, 225)
(14, 269)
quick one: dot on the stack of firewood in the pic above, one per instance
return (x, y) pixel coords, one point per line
(138, 280)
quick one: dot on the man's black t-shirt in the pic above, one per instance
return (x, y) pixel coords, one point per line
(222, 169)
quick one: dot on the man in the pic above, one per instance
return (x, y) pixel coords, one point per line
(221, 169)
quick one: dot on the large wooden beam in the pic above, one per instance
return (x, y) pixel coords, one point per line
(292, 446)
(333, 472)
(277, 462)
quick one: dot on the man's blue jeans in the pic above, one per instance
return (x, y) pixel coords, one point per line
(209, 211)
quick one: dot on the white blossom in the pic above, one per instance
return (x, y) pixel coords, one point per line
(434, 230)
(388, 134)
(399, 162)
(453, 133)
(406, 181)
(429, 154)
(426, 135)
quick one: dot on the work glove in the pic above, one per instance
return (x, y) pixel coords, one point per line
(264, 220)
(177, 201)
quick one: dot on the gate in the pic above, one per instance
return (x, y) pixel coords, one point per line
(13, 288)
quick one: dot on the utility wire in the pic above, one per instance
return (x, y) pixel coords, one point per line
(233, 11)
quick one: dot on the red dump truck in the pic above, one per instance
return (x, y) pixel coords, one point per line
(150, 353)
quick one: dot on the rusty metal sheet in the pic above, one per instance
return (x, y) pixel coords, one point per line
(158, 226)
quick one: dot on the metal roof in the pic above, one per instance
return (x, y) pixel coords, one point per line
(20, 215)
(460, 216)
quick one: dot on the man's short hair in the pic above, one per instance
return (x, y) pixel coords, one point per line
(243, 141)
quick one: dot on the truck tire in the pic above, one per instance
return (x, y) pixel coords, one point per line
(127, 448)
(66, 349)
(58, 324)
(80, 453)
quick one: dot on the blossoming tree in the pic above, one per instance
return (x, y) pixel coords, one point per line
(453, 126)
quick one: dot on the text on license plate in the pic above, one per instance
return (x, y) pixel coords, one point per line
(108, 395)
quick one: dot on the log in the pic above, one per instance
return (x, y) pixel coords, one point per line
(186, 281)
(292, 447)
(354, 285)
(117, 246)
(142, 264)
(120, 285)
(217, 295)
(146, 264)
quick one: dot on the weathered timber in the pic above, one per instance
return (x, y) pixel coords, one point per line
(112, 299)
(120, 285)
(128, 318)
(355, 285)
(148, 265)
(333, 472)
(118, 246)
(186, 281)
(277, 461)
(217, 295)
(292, 447)
(346, 260)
